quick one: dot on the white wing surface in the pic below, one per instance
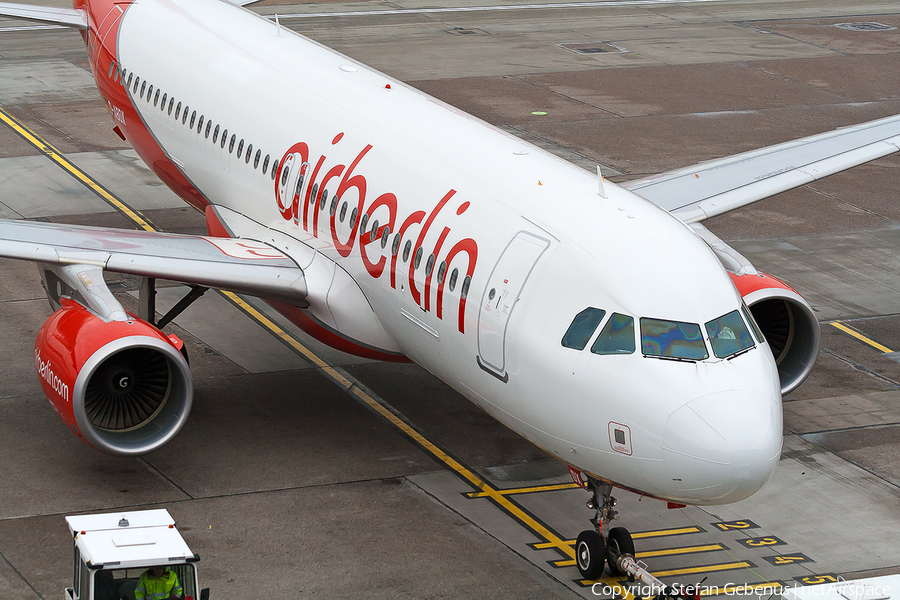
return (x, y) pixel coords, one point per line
(69, 17)
(711, 188)
(239, 265)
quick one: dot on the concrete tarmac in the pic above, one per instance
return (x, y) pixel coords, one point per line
(291, 483)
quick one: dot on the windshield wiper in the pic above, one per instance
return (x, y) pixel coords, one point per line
(744, 351)
(675, 358)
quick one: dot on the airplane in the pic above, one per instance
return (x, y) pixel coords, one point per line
(602, 322)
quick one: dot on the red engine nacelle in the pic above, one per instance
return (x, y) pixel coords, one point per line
(788, 323)
(121, 386)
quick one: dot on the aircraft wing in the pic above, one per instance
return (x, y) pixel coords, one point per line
(239, 265)
(69, 17)
(711, 188)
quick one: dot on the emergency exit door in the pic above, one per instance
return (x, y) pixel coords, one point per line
(503, 290)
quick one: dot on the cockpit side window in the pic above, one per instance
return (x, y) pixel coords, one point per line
(671, 339)
(582, 328)
(728, 335)
(617, 336)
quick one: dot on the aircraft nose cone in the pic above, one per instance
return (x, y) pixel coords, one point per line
(722, 447)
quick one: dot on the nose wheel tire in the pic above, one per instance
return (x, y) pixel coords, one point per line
(618, 543)
(590, 554)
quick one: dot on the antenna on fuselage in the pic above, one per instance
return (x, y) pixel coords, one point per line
(600, 189)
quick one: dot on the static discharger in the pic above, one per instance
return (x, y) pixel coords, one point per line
(600, 189)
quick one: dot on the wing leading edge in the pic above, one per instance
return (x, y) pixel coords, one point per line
(712, 188)
(68, 17)
(234, 264)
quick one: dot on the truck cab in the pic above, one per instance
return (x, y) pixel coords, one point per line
(113, 550)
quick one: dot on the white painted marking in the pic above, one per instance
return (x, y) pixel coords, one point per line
(456, 9)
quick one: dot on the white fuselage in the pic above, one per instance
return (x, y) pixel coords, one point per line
(539, 241)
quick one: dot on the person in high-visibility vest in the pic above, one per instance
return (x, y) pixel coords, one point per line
(158, 583)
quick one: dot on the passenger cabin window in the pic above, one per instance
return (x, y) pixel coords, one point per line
(582, 328)
(464, 290)
(729, 335)
(671, 339)
(617, 336)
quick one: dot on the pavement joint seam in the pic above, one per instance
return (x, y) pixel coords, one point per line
(862, 368)
(17, 572)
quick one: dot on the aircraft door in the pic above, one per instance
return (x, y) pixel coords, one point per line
(501, 294)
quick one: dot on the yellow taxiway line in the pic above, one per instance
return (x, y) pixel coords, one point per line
(860, 336)
(56, 156)
(527, 490)
(639, 535)
(658, 553)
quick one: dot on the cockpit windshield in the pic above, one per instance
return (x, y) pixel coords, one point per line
(729, 335)
(582, 328)
(617, 336)
(672, 339)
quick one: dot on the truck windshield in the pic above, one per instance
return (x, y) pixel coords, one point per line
(671, 339)
(110, 584)
(728, 335)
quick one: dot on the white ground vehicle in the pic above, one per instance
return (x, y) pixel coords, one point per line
(113, 549)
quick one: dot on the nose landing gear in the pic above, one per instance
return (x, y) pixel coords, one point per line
(602, 545)
(615, 547)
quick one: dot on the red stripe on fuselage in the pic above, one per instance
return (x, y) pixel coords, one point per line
(101, 39)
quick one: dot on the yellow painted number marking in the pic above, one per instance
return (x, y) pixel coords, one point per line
(787, 559)
(817, 579)
(731, 525)
(761, 542)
